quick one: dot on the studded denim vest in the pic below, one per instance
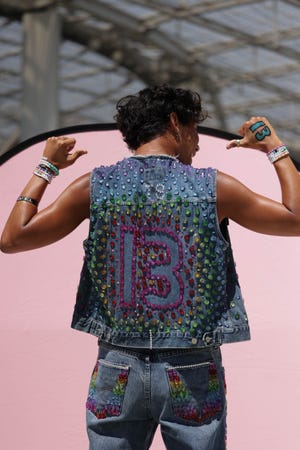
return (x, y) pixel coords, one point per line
(158, 271)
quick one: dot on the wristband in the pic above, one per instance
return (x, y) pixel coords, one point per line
(45, 163)
(277, 153)
(44, 172)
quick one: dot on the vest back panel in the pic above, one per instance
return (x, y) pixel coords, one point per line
(158, 272)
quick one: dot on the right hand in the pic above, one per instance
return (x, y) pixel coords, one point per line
(256, 133)
(57, 151)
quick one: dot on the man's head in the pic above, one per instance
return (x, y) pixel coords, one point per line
(146, 115)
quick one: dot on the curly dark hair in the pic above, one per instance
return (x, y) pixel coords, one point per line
(146, 115)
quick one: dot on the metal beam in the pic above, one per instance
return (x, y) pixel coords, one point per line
(130, 27)
(18, 7)
(40, 69)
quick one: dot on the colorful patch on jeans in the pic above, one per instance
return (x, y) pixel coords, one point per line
(185, 405)
(113, 405)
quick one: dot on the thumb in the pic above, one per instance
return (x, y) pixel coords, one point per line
(236, 143)
(74, 156)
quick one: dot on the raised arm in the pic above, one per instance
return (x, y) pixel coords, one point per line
(27, 228)
(255, 211)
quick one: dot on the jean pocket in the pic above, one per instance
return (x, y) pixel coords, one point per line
(197, 392)
(107, 389)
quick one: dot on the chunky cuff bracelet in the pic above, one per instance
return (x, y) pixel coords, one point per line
(277, 153)
(24, 198)
(44, 172)
(45, 163)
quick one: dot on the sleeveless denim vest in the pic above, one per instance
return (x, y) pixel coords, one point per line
(158, 271)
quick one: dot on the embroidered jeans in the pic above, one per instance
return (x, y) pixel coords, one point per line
(132, 391)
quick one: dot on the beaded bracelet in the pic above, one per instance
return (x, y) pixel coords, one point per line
(44, 162)
(44, 172)
(277, 153)
(25, 198)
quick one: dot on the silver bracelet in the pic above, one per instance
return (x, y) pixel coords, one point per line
(25, 198)
(44, 173)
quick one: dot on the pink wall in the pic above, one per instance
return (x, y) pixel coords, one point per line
(46, 366)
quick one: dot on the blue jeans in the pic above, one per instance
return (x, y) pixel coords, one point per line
(132, 391)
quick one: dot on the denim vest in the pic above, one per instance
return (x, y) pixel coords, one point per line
(158, 270)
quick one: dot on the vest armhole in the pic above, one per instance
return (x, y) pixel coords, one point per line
(222, 227)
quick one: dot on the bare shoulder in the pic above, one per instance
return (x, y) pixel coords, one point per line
(80, 187)
(76, 197)
(226, 185)
(231, 194)
(82, 182)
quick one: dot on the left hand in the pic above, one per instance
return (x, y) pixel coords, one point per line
(57, 151)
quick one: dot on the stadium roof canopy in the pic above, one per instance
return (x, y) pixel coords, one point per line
(68, 62)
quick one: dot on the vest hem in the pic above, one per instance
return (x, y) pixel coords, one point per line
(173, 339)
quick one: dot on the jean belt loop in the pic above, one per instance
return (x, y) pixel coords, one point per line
(212, 338)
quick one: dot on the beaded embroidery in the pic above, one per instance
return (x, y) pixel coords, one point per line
(155, 259)
(113, 405)
(185, 405)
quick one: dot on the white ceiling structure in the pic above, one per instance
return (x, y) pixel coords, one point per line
(67, 62)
